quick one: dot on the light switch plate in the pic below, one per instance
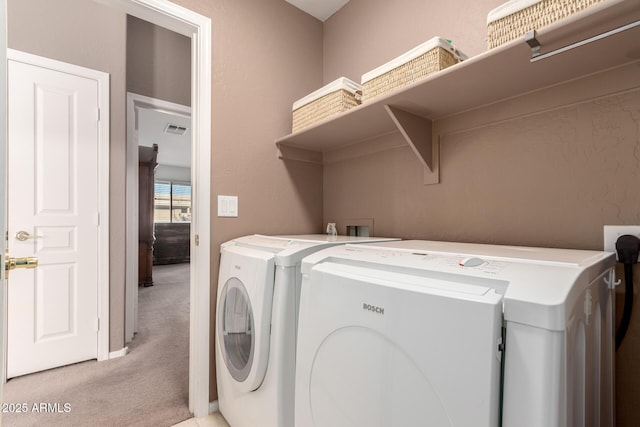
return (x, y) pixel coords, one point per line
(227, 206)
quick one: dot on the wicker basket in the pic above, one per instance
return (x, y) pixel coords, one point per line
(334, 98)
(514, 18)
(428, 58)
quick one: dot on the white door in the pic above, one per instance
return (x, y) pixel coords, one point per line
(52, 214)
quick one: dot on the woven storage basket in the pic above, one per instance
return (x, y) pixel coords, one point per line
(430, 57)
(514, 18)
(334, 98)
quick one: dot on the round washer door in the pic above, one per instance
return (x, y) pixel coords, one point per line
(237, 329)
(239, 336)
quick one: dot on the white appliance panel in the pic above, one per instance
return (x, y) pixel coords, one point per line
(267, 268)
(555, 307)
(377, 358)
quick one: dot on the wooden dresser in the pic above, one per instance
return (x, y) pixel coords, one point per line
(147, 166)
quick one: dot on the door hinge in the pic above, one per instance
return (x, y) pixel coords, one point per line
(98, 114)
(97, 324)
(197, 240)
(97, 218)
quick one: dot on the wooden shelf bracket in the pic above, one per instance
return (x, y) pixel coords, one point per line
(417, 131)
(286, 152)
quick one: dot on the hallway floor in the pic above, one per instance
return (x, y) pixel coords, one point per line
(147, 387)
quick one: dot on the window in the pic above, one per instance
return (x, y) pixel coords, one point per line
(172, 202)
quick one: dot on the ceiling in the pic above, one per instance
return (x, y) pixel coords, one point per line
(173, 150)
(321, 9)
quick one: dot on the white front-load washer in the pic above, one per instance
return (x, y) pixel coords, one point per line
(417, 333)
(257, 300)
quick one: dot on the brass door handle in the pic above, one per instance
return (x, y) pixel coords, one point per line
(24, 235)
(23, 262)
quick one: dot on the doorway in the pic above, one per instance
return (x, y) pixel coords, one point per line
(198, 29)
(154, 121)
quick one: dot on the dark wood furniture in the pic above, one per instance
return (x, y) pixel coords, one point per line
(172, 243)
(147, 163)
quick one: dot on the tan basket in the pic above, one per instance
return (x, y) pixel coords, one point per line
(324, 107)
(536, 16)
(428, 58)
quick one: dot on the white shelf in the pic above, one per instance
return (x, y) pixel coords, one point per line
(500, 74)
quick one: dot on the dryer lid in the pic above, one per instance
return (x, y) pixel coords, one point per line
(289, 250)
(539, 284)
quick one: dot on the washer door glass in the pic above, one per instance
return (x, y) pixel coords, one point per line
(236, 328)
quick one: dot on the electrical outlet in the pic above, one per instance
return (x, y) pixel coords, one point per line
(612, 232)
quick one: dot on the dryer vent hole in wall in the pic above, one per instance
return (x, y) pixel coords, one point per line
(358, 230)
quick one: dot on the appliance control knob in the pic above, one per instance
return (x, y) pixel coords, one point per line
(471, 262)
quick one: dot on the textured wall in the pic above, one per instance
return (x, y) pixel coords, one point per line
(367, 33)
(158, 62)
(551, 179)
(266, 54)
(93, 36)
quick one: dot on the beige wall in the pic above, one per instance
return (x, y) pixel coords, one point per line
(93, 36)
(367, 33)
(158, 62)
(266, 54)
(551, 179)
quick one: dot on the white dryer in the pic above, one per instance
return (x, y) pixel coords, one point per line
(418, 333)
(257, 300)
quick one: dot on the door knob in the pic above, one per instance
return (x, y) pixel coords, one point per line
(24, 235)
(13, 263)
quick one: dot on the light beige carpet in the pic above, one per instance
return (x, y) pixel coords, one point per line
(147, 387)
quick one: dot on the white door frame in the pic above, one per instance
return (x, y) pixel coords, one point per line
(3, 207)
(191, 24)
(103, 181)
(135, 101)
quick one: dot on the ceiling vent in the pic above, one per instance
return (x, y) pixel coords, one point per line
(175, 129)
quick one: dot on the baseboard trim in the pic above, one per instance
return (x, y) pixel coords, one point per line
(118, 353)
(214, 407)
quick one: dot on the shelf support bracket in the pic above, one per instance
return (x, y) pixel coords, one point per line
(286, 152)
(417, 131)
